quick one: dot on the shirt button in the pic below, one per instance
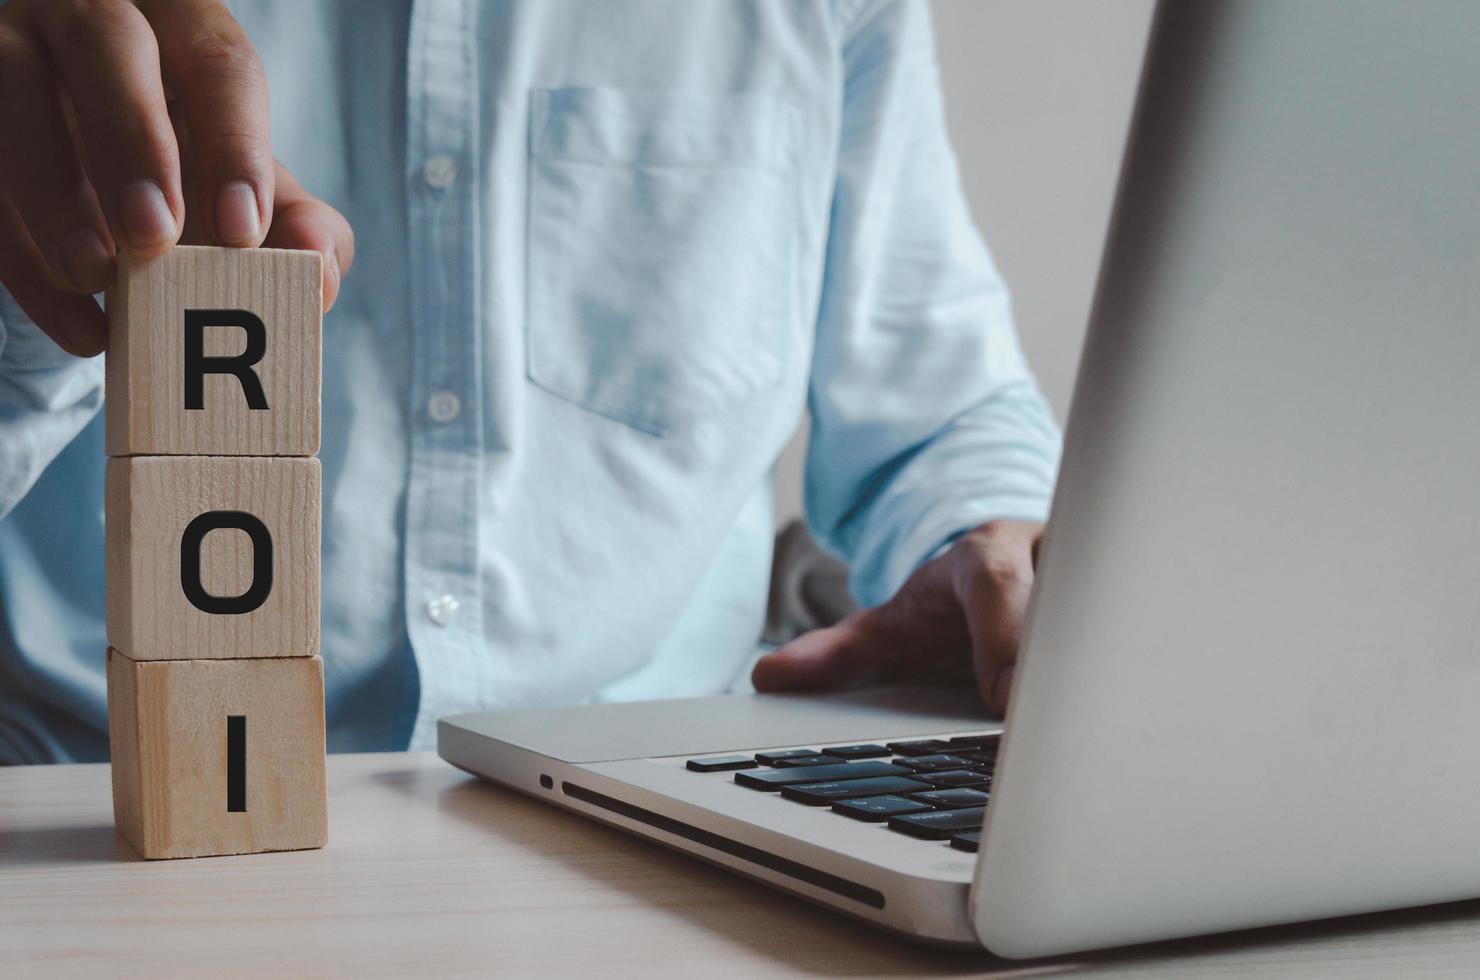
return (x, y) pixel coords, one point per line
(439, 171)
(444, 406)
(441, 609)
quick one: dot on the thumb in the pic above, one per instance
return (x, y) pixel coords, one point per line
(832, 658)
(301, 220)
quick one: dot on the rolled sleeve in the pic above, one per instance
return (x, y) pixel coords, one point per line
(47, 396)
(925, 418)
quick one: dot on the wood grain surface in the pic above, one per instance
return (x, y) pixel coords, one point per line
(430, 872)
(149, 502)
(144, 401)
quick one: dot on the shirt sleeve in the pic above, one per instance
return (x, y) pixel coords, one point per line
(47, 396)
(925, 418)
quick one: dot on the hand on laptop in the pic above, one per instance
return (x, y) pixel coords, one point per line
(136, 123)
(959, 613)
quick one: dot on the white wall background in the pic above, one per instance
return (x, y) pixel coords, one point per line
(1038, 97)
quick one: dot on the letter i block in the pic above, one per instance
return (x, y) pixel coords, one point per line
(217, 756)
(214, 352)
(212, 557)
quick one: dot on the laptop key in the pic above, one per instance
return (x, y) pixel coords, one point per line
(851, 752)
(969, 841)
(929, 746)
(774, 779)
(936, 824)
(821, 794)
(954, 777)
(722, 763)
(960, 796)
(934, 763)
(877, 809)
(977, 741)
(769, 758)
(977, 755)
(808, 760)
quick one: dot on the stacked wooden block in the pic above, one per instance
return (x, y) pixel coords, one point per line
(215, 686)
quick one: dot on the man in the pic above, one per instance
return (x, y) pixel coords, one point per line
(606, 253)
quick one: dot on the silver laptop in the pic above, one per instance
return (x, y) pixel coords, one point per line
(1250, 683)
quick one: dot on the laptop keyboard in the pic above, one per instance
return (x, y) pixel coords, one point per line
(931, 789)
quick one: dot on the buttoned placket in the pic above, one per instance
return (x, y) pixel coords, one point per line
(443, 604)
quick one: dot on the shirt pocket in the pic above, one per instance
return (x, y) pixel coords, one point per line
(659, 251)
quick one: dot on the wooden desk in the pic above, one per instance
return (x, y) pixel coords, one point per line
(431, 872)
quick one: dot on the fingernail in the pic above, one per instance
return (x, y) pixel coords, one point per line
(86, 261)
(329, 281)
(237, 220)
(147, 219)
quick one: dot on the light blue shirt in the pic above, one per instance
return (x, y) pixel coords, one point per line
(607, 254)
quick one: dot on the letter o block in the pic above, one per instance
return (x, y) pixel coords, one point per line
(212, 557)
(215, 352)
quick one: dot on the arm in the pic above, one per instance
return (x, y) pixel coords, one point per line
(933, 453)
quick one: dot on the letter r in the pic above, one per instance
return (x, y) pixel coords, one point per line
(198, 365)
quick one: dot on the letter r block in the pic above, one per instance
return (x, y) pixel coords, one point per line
(212, 557)
(214, 352)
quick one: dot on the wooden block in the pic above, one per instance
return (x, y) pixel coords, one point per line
(251, 524)
(214, 352)
(217, 756)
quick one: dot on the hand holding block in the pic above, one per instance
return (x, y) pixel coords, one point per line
(214, 352)
(217, 756)
(212, 557)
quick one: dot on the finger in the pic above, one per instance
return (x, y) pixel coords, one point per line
(105, 54)
(994, 580)
(303, 221)
(212, 69)
(73, 320)
(1000, 689)
(829, 659)
(45, 181)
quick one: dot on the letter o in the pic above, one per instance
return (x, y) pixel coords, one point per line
(190, 545)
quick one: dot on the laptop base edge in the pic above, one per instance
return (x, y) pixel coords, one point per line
(925, 911)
